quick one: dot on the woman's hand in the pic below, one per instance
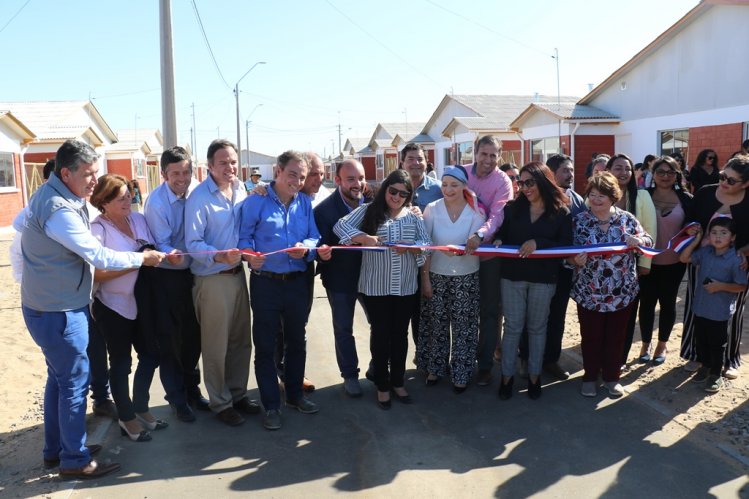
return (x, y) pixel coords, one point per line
(426, 285)
(633, 241)
(642, 270)
(151, 258)
(694, 230)
(366, 240)
(580, 259)
(527, 248)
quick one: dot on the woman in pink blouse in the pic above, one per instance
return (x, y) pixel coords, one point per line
(605, 286)
(115, 310)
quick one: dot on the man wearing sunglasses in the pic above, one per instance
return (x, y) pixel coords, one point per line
(494, 189)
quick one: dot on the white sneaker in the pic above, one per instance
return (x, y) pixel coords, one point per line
(615, 389)
(692, 366)
(731, 373)
(589, 389)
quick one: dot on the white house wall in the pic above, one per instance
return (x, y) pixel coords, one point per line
(701, 68)
(644, 132)
(452, 110)
(9, 140)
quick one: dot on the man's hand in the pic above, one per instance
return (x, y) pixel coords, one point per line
(174, 257)
(472, 243)
(151, 258)
(260, 190)
(325, 252)
(256, 261)
(299, 252)
(229, 257)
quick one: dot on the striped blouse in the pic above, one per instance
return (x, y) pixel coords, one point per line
(386, 272)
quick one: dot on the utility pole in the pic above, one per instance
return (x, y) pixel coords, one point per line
(559, 103)
(339, 133)
(247, 141)
(168, 107)
(236, 95)
(195, 133)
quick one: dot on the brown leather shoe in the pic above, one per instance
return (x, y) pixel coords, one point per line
(91, 470)
(247, 406)
(230, 416)
(53, 463)
(307, 386)
(105, 409)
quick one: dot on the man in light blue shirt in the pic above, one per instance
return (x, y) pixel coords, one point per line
(180, 332)
(426, 188)
(283, 219)
(220, 290)
(58, 255)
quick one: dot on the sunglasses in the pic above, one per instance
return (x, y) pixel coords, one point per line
(393, 192)
(526, 184)
(665, 173)
(710, 157)
(729, 180)
(512, 177)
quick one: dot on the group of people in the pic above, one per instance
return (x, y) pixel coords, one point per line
(171, 283)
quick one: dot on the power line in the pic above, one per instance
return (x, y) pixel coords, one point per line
(490, 30)
(210, 50)
(14, 15)
(381, 44)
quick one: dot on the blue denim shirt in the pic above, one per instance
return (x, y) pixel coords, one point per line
(267, 225)
(429, 190)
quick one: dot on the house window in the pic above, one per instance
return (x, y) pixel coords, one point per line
(541, 149)
(672, 141)
(7, 170)
(465, 153)
(448, 156)
(140, 170)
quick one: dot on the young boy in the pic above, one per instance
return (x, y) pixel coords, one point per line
(719, 279)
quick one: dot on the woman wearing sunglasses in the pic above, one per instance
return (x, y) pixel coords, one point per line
(388, 279)
(115, 309)
(450, 285)
(728, 198)
(538, 218)
(672, 204)
(705, 170)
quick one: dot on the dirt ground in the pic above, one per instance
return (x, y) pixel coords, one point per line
(721, 419)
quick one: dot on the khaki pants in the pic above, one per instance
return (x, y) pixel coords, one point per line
(222, 306)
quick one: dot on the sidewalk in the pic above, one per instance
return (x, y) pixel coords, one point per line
(444, 445)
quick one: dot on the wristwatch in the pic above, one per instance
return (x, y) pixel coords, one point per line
(479, 234)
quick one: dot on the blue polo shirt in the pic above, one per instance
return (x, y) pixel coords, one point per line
(267, 225)
(722, 268)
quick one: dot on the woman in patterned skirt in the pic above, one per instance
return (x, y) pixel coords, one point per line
(450, 286)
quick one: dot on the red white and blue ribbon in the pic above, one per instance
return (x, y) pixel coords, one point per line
(682, 239)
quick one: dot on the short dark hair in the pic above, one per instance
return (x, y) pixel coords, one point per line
(412, 146)
(745, 145)
(288, 156)
(488, 140)
(217, 145)
(72, 154)
(49, 167)
(740, 164)
(508, 166)
(175, 154)
(723, 221)
(555, 161)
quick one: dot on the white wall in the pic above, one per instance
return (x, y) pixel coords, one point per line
(452, 109)
(703, 67)
(9, 141)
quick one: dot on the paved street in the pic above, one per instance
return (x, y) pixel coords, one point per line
(444, 445)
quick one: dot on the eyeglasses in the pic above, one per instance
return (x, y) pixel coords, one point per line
(512, 177)
(665, 173)
(527, 184)
(393, 192)
(729, 180)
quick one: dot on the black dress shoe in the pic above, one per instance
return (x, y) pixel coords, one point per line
(230, 416)
(184, 413)
(247, 406)
(91, 470)
(459, 389)
(369, 375)
(534, 389)
(556, 371)
(53, 463)
(403, 399)
(505, 389)
(385, 406)
(105, 409)
(198, 401)
(432, 382)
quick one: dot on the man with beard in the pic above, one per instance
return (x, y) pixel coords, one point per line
(340, 275)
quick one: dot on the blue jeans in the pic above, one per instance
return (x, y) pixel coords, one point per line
(275, 302)
(63, 338)
(525, 304)
(342, 306)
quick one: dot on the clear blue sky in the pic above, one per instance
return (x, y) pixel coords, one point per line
(386, 61)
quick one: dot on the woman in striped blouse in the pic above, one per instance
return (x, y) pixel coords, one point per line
(388, 278)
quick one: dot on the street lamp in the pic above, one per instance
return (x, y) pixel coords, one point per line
(236, 95)
(247, 132)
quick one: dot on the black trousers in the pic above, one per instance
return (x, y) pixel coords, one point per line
(711, 338)
(388, 343)
(660, 286)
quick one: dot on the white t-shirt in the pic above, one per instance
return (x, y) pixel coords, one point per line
(444, 231)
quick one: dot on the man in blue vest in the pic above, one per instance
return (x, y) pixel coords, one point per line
(58, 254)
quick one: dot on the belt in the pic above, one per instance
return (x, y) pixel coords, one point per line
(232, 271)
(281, 277)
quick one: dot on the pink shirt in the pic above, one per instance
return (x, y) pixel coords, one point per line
(668, 227)
(117, 294)
(493, 191)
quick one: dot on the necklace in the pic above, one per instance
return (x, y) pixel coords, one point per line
(454, 214)
(118, 229)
